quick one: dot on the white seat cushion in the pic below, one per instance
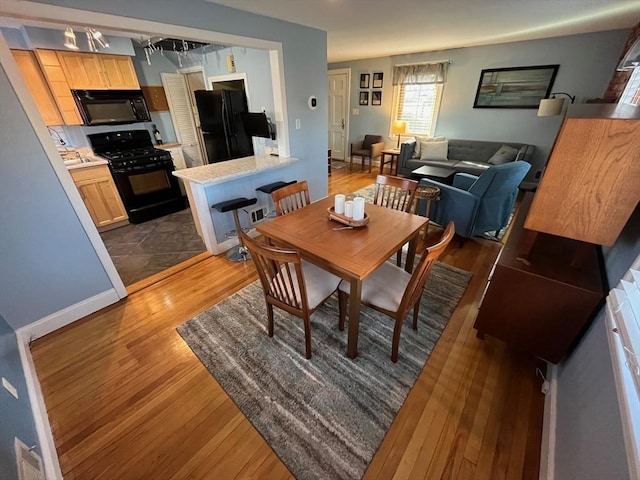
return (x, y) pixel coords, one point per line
(320, 283)
(384, 288)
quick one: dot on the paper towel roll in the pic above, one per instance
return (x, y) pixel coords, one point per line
(338, 205)
(358, 208)
(348, 208)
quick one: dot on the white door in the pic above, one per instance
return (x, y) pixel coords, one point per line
(175, 88)
(338, 112)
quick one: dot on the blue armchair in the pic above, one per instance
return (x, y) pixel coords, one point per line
(478, 204)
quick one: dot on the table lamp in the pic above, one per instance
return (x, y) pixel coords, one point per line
(398, 127)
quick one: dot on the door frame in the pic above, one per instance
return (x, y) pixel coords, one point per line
(195, 69)
(347, 101)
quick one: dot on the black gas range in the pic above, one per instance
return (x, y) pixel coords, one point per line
(141, 173)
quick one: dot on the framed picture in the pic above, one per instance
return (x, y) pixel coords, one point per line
(377, 80)
(364, 80)
(364, 98)
(376, 97)
(518, 87)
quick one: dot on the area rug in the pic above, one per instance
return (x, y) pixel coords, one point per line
(324, 417)
(369, 191)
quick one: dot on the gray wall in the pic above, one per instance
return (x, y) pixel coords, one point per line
(589, 443)
(586, 65)
(15, 415)
(47, 260)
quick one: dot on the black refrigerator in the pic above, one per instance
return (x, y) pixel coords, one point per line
(224, 136)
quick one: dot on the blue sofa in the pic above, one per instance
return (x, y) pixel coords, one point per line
(463, 156)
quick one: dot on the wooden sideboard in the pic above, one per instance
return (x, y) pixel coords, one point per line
(542, 292)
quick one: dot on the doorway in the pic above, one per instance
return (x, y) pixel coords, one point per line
(338, 122)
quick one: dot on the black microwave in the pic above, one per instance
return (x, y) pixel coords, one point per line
(111, 107)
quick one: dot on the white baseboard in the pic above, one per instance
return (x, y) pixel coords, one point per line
(68, 315)
(549, 422)
(38, 329)
(39, 410)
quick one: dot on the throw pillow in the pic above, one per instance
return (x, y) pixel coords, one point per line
(434, 150)
(504, 154)
(416, 152)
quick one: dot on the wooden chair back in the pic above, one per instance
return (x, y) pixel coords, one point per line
(416, 284)
(290, 198)
(396, 193)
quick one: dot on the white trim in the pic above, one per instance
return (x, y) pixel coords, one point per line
(68, 315)
(549, 425)
(39, 410)
(39, 128)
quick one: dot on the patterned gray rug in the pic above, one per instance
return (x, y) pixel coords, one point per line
(324, 417)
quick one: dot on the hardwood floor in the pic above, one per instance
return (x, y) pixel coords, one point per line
(127, 399)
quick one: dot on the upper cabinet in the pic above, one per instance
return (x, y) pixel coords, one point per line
(591, 184)
(94, 71)
(38, 87)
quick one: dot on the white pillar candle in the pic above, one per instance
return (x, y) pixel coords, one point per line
(338, 205)
(348, 209)
(358, 208)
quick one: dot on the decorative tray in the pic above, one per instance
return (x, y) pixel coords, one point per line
(346, 220)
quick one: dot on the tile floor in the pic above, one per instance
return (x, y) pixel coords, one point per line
(139, 251)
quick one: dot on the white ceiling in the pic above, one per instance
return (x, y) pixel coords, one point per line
(376, 28)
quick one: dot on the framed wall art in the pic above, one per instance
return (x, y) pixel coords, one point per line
(364, 80)
(376, 97)
(364, 98)
(517, 87)
(377, 80)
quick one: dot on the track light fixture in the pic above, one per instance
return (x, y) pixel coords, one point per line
(70, 39)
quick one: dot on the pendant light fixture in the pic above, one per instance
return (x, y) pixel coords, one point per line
(70, 39)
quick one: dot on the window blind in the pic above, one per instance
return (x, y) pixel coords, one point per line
(623, 329)
(418, 105)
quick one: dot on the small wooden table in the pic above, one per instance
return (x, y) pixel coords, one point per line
(350, 254)
(394, 153)
(427, 193)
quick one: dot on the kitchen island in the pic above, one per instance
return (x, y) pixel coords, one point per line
(217, 182)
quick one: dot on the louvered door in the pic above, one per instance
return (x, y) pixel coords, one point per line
(177, 94)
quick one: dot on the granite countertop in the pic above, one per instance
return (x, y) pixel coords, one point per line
(167, 146)
(231, 169)
(84, 162)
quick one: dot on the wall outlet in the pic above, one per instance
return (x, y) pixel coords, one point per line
(258, 214)
(10, 388)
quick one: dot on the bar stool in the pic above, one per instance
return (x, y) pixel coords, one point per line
(272, 187)
(239, 253)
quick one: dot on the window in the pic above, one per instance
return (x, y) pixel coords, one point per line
(418, 105)
(631, 94)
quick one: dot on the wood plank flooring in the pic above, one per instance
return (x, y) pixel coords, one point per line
(127, 399)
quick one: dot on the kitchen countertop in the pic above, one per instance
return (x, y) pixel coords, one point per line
(232, 169)
(166, 146)
(80, 163)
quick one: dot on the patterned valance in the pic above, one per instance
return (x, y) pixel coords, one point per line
(421, 73)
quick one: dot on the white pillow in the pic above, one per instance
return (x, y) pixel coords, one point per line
(434, 150)
(416, 151)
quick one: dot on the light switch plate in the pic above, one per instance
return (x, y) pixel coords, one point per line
(10, 388)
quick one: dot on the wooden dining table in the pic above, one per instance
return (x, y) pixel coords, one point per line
(352, 254)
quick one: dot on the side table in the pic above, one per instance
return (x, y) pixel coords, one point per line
(428, 193)
(394, 153)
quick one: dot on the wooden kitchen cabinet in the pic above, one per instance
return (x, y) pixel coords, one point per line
(95, 71)
(58, 85)
(38, 87)
(100, 195)
(540, 298)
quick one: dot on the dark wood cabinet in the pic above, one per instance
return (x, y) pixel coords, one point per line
(542, 292)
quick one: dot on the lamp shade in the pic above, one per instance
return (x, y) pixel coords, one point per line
(398, 127)
(550, 106)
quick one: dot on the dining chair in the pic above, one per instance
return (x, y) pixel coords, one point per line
(394, 292)
(290, 198)
(396, 193)
(290, 283)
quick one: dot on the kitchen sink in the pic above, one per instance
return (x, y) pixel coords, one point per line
(76, 161)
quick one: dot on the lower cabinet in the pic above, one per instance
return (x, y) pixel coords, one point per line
(100, 195)
(540, 298)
